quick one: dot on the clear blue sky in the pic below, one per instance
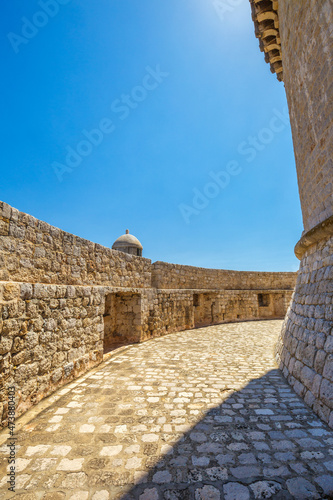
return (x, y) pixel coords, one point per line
(194, 152)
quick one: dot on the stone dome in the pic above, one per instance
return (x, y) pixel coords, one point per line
(129, 244)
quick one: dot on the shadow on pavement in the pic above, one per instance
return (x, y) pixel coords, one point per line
(261, 442)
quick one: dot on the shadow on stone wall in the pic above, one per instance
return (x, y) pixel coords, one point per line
(261, 442)
(304, 350)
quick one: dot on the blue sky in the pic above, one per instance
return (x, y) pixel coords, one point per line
(157, 116)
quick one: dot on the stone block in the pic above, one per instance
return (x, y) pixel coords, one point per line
(320, 361)
(309, 353)
(328, 347)
(328, 368)
(326, 393)
(307, 376)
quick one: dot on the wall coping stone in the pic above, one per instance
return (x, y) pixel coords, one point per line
(320, 232)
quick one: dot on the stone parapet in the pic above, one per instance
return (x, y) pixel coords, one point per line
(36, 252)
(165, 275)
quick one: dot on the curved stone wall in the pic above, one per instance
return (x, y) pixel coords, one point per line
(166, 276)
(33, 251)
(304, 28)
(65, 301)
(307, 53)
(305, 349)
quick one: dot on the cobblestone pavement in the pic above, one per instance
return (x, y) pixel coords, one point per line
(201, 414)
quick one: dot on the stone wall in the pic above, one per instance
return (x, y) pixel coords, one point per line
(307, 69)
(165, 275)
(33, 251)
(36, 252)
(122, 319)
(65, 302)
(237, 305)
(305, 350)
(50, 334)
(166, 312)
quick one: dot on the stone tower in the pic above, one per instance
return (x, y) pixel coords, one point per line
(297, 39)
(129, 244)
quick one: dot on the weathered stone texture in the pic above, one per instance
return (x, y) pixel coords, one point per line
(166, 311)
(50, 334)
(53, 333)
(35, 252)
(306, 344)
(165, 275)
(307, 69)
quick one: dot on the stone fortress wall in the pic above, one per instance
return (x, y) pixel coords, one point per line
(65, 301)
(165, 275)
(36, 252)
(302, 55)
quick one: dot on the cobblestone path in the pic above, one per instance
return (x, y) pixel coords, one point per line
(201, 414)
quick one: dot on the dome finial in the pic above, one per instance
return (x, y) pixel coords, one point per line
(127, 231)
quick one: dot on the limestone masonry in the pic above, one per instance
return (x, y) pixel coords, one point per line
(65, 301)
(303, 53)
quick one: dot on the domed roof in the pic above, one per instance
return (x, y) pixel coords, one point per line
(127, 240)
